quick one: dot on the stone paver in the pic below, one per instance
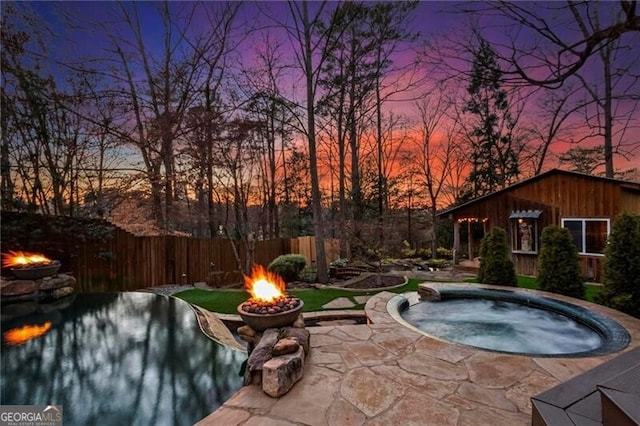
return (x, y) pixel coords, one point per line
(430, 412)
(382, 373)
(339, 303)
(369, 392)
(361, 299)
(343, 413)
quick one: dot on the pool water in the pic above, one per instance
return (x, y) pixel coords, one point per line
(125, 358)
(503, 326)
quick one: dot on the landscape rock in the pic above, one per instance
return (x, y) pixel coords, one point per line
(301, 335)
(18, 287)
(428, 293)
(285, 346)
(260, 354)
(61, 292)
(246, 333)
(299, 322)
(58, 281)
(279, 374)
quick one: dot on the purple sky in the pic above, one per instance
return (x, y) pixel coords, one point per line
(433, 19)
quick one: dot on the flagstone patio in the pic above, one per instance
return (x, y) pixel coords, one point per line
(382, 373)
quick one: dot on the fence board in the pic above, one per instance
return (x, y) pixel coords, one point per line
(121, 261)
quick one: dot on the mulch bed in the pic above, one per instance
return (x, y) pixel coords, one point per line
(375, 282)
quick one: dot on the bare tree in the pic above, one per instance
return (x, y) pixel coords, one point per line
(311, 52)
(212, 49)
(359, 77)
(617, 88)
(238, 156)
(44, 135)
(158, 88)
(544, 54)
(562, 57)
(555, 120)
(267, 105)
(435, 158)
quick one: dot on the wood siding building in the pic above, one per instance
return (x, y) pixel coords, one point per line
(586, 205)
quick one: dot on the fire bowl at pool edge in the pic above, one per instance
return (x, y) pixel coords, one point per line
(261, 322)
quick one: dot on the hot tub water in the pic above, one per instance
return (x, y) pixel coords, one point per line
(508, 321)
(503, 326)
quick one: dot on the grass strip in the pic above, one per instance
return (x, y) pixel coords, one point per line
(226, 301)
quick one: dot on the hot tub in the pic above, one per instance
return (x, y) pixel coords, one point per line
(509, 321)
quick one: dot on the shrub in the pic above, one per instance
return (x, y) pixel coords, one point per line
(288, 266)
(424, 253)
(437, 263)
(309, 275)
(444, 253)
(558, 263)
(495, 265)
(406, 249)
(339, 263)
(621, 274)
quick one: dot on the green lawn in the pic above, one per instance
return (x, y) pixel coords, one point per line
(226, 301)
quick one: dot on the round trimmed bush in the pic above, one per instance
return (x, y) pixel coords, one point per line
(495, 265)
(559, 264)
(621, 274)
(288, 266)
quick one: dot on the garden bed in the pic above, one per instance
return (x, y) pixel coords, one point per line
(375, 282)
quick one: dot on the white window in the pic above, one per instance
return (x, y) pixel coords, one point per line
(589, 235)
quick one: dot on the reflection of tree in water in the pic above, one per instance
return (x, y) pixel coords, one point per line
(135, 359)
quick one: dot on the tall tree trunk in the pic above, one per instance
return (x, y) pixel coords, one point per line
(381, 191)
(608, 113)
(316, 202)
(342, 176)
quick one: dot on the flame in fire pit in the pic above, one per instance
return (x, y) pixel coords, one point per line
(263, 285)
(18, 336)
(23, 259)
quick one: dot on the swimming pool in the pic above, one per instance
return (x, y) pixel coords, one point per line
(121, 358)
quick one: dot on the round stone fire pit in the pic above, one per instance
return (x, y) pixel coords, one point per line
(263, 321)
(36, 272)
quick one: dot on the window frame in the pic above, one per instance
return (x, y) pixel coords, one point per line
(515, 235)
(583, 229)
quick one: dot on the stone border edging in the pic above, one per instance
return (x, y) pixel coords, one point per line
(365, 290)
(213, 327)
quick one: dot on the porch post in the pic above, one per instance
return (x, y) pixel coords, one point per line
(470, 239)
(456, 240)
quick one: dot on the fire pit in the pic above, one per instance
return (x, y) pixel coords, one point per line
(29, 266)
(269, 306)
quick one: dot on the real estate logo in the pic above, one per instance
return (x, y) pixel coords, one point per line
(30, 415)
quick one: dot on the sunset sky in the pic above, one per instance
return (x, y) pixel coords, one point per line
(441, 25)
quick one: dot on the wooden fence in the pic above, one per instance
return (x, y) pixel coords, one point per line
(122, 261)
(133, 262)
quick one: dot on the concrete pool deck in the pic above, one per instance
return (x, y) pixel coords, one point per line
(382, 373)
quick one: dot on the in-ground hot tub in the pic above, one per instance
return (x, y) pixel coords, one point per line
(509, 321)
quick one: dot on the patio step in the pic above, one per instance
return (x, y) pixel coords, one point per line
(619, 408)
(608, 394)
(620, 398)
